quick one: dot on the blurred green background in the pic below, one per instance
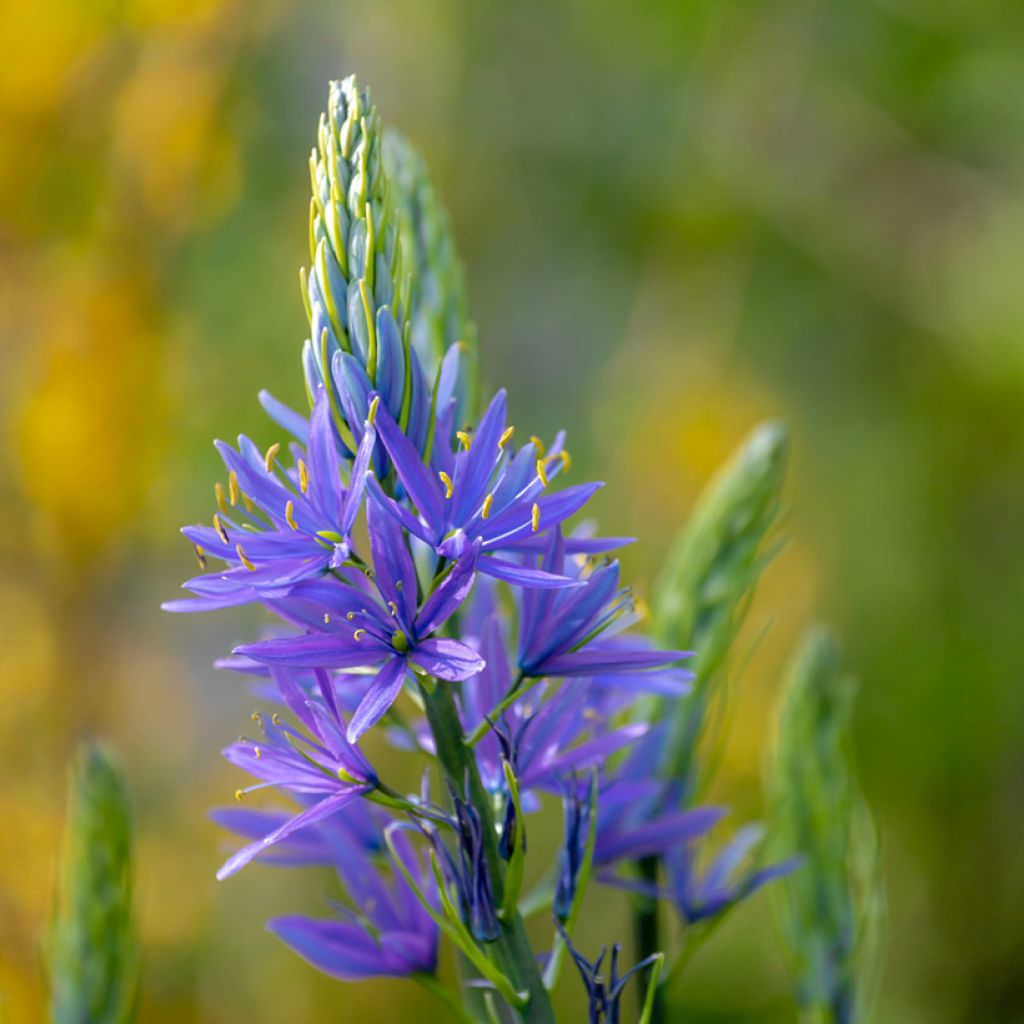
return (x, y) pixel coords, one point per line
(678, 218)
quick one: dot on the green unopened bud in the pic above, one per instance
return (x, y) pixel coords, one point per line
(832, 908)
(703, 593)
(438, 310)
(93, 956)
(356, 266)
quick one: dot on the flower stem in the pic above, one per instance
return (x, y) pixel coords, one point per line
(511, 950)
(646, 936)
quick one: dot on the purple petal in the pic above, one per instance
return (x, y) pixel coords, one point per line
(324, 466)
(322, 650)
(657, 836)
(450, 592)
(422, 488)
(451, 660)
(523, 576)
(319, 811)
(282, 415)
(381, 695)
(394, 571)
(598, 658)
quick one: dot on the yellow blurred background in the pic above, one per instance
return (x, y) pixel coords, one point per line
(678, 219)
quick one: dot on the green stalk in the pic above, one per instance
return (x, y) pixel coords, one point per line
(700, 603)
(511, 951)
(647, 938)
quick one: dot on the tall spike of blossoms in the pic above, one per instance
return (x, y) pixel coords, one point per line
(475, 629)
(832, 910)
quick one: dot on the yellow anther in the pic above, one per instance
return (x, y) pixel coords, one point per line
(542, 472)
(327, 619)
(200, 556)
(538, 444)
(566, 461)
(233, 489)
(275, 718)
(447, 481)
(256, 716)
(506, 437)
(248, 503)
(535, 517)
(359, 634)
(350, 616)
(218, 526)
(398, 584)
(393, 608)
(268, 459)
(289, 514)
(303, 477)
(485, 509)
(256, 753)
(463, 438)
(239, 793)
(244, 558)
(218, 490)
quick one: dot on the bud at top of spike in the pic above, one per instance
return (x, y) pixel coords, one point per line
(356, 276)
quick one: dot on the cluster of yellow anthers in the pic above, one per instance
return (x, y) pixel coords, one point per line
(543, 463)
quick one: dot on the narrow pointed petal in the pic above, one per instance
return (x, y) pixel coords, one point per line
(423, 489)
(450, 660)
(381, 695)
(319, 811)
(450, 593)
(326, 650)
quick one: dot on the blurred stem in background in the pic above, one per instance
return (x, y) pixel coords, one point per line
(832, 909)
(700, 604)
(93, 954)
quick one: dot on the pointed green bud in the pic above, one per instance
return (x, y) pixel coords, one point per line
(355, 255)
(438, 309)
(832, 907)
(92, 951)
(703, 593)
